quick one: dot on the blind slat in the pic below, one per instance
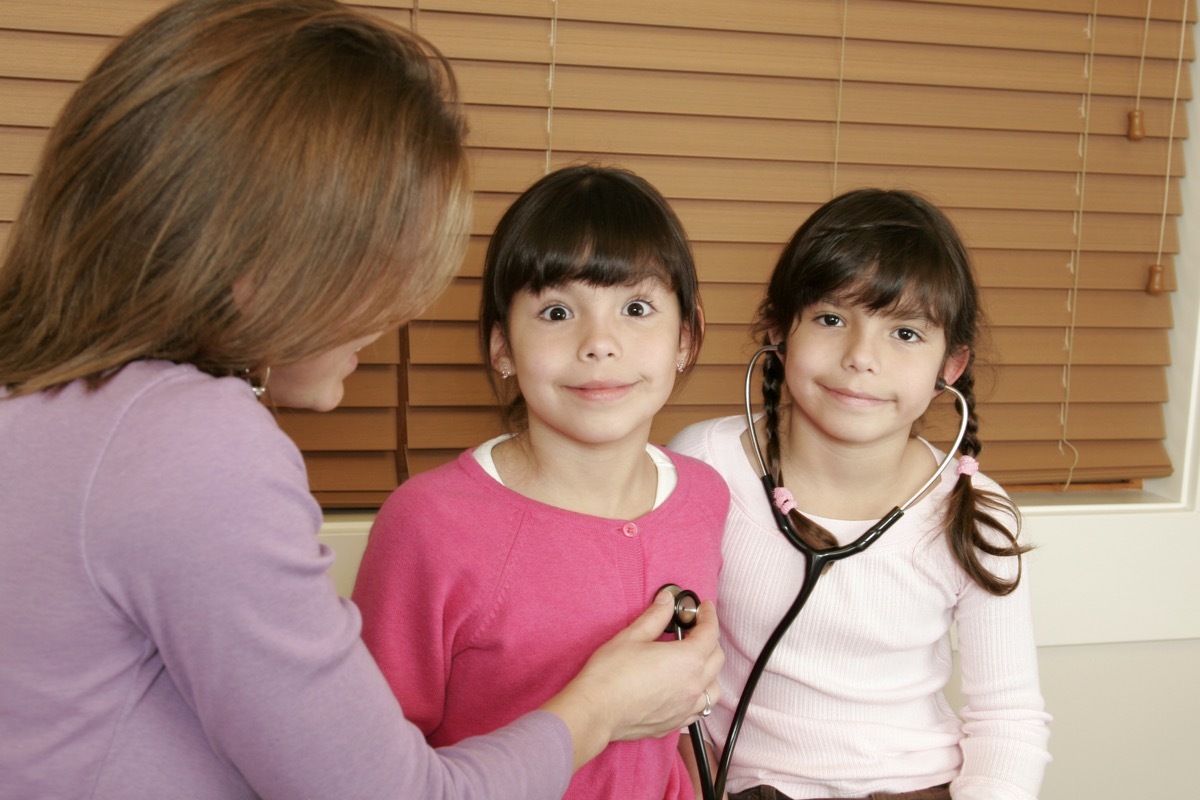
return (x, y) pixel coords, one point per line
(823, 16)
(351, 472)
(467, 427)
(358, 429)
(53, 56)
(509, 171)
(456, 343)
(614, 134)
(777, 16)
(720, 384)
(32, 103)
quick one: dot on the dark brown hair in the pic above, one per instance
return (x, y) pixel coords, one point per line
(238, 183)
(604, 226)
(896, 251)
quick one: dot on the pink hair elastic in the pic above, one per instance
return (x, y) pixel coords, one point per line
(967, 466)
(784, 500)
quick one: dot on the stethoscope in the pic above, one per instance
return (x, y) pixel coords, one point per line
(687, 603)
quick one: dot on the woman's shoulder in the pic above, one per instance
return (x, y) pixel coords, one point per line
(177, 413)
(188, 451)
(179, 392)
(190, 463)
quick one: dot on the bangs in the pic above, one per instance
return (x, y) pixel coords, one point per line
(889, 288)
(597, 267)
(898, 269)
(604, 236)
(597, 226)
(881, 250)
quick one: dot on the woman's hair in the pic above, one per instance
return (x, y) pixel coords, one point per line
(604, 226)
(889, 251)
(239, 183)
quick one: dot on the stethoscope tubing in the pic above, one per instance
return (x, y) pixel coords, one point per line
(817, 561)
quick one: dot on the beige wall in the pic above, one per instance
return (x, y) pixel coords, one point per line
(1126, 720)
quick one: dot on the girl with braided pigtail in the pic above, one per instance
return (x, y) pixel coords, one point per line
(873, 310)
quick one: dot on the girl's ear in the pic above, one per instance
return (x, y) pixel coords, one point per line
(778, 337)
(688, 334)
(956, 364)
(498, 352)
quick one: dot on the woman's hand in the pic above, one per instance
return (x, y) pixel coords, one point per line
(635, 686)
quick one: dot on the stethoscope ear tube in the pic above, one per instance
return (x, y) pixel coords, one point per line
(769, 348)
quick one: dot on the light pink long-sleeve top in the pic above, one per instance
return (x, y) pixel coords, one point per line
(852, 701)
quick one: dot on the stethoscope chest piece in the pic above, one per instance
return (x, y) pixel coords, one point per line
(687, 609)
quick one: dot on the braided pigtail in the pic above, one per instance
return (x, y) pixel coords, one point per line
(971, 512)
(772, 391)
(813, 534)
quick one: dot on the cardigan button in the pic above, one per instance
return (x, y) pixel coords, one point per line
(629, 529)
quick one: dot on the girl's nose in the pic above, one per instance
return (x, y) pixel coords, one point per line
(862, 353)
(599, 342)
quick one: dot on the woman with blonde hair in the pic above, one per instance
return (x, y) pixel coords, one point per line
(238, 198)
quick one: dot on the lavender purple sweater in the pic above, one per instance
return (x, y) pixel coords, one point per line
(167, 626)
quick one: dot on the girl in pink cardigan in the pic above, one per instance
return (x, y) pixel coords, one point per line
(488, 581)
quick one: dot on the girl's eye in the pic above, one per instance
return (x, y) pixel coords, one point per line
(829, 320)
(908, 335)
(638, 308)
(556, 313)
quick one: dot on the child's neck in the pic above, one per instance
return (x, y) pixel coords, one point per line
(860, 481)
(615, 481)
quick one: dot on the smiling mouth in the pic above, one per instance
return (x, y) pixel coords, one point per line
(854, 398)
(600, 391)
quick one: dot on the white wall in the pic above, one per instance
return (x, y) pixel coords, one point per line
(1117, 594)
(1116, 585)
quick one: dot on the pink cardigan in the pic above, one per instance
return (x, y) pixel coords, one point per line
(480, 604)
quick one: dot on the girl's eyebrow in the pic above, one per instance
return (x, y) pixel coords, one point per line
(900, 314)
(911, 316)
(832, 300)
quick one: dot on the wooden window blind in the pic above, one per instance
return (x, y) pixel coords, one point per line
(1010, 114)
